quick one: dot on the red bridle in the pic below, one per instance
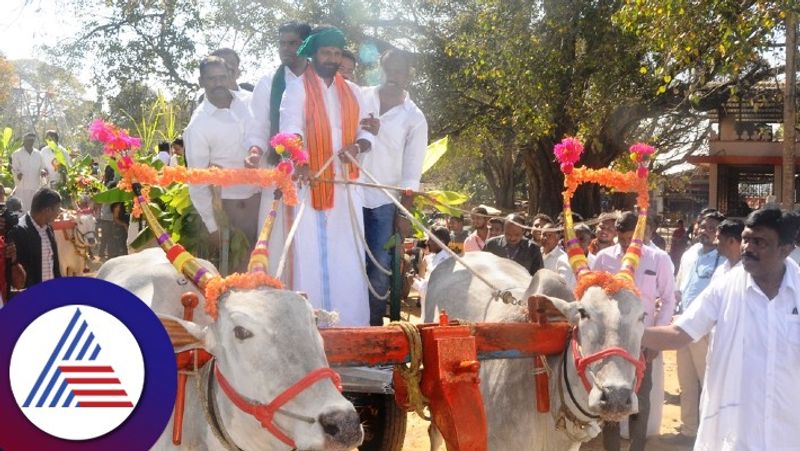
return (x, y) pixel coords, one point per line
(582, 363)
(265, 413)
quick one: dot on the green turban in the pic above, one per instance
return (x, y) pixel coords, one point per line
(329, 37)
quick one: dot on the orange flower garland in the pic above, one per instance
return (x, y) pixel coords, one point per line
(623, 182)
(249, 281)
(605, 280)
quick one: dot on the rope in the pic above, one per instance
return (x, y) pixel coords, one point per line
(412, 374)
(497, 293)
(551, 228)
(359, 236)
(290, 237)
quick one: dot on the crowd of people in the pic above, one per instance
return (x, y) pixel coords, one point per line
(340, 258)
(673, 284)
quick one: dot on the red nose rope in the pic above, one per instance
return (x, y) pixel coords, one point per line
(582, 363)
(265, 413)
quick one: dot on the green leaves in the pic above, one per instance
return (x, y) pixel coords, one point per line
(435, 151)
(112, 196)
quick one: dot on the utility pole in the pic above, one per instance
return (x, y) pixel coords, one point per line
(789, 111)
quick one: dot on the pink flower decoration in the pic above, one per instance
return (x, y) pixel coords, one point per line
(299, 156)
(286, 167)
(100, 131)
(125, 163)
(642, 151)
(568, 152)
(641, 172)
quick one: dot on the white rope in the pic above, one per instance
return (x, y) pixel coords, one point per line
(359, 236)
(497, 293)
(296, 223)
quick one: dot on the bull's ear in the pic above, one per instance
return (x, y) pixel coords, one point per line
(186, 335)
(568, 309)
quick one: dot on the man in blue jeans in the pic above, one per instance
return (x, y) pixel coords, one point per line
(395, 159)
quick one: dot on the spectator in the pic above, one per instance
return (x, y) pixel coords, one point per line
(698, 264)
(480, 230)
(457, 234)
(514, 246)
(749, 397)
(495, 227)
(551, 251)
(539, 221)
(163, 152)
(435, 256)
(348, 66)
(28, 168)
(34, 238)
(177, 158)
(584, 235)
(51, 165)
(654, 278)
(651, 234)
(605, 234)
(678, 243)
(120, 220)
(729, 245)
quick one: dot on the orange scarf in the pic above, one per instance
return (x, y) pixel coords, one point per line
(318, 133)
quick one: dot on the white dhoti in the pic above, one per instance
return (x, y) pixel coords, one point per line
(329, 256)
(26, 197)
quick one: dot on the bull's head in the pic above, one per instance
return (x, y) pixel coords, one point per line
(86, 228)
(270, 363)
(609, 318)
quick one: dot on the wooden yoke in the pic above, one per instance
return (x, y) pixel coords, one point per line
(187, 361)
(450, 382)
(540, 309)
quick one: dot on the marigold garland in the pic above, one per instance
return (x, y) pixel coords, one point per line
(248, 281)
(605, 280)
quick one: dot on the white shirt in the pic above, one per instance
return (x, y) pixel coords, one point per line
(399, 149)
(653, 278)
(724, 268)
(164, 157)
(215, 136)
(258, 135)
(47, 252)
(30, 165)
(750, 395)
(550, 259)
(48, 157)
(564, 269)
(432, 261)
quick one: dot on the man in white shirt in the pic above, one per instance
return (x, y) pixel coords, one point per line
(51, 164)
(698, 264)
(215, 137)
(729, 245)
(435, 256)
(325, 110)
(551, 251)
(163, 152)
(28, 168)
(749, 399)
(584, 235)
(395, 159)
(655, 281)
(265, 106)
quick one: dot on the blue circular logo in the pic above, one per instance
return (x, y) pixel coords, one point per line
(89, 367)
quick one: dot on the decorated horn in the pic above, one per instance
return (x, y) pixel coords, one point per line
(180, 258)
(259, 258)
(640, 154)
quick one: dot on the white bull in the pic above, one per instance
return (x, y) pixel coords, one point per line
(507, 386)
(75, 232)
(264, 341)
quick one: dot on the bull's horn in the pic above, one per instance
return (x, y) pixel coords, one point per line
(180, 258)
(578, 261)
(630, 261)
(259, 258)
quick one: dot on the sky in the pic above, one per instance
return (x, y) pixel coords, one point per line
(24, 27)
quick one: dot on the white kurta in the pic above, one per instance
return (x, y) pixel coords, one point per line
(328, 252)
(750, 398)
(30, 165)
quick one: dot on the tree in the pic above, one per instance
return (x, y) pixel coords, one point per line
(8, 80)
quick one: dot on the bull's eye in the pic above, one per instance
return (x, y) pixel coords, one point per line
(242, 333)
(641, 319)
(584, 314)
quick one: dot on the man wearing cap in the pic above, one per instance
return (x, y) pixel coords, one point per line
(654, 282)
(28, 168)
(325, 110)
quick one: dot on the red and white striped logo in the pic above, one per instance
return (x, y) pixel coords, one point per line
(77, 372)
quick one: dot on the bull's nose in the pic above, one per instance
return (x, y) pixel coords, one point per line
(343, 427)
(615, 398)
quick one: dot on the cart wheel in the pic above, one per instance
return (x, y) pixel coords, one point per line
(383, 420)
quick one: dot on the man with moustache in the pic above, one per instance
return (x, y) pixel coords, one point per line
(325, 110)
(697, 266)
(606, 233)
(749, 398)
(513, 245)
(215, 137)
(395, 159)
(480, 230)
(348, 66)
